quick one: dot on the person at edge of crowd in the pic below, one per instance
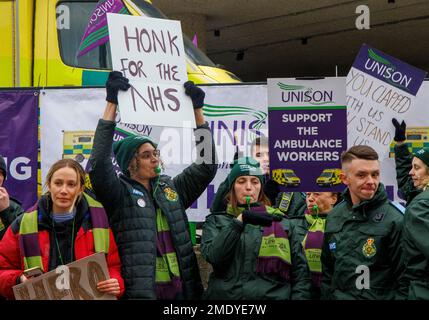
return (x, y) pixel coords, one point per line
(415, 245)
(309, 226)
(9, 208)
(146, 209)
(288, 202)
(253, 252)
(362, 252)
(409, 185)
(62, 223)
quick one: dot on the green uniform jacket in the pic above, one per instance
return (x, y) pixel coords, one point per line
(132, 213)
(8, 215)
(296, 205)
(367, 234)
(403, 159)
(415, 280)
(232, 249)
(300, 226)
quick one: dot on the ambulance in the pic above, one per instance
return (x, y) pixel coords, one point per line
(417, 138)
(329, 178)
(77, 145)
(40, 39)
(286, 177)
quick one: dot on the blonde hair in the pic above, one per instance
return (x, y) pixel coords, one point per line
(66, 163)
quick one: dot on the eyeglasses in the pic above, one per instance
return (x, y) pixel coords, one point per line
(147, 154)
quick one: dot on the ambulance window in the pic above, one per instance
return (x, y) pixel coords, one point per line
(194, 54)
(99, 58)
(414, 137)
(69, 37)
(85, 139)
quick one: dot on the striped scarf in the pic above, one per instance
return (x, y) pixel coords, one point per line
(29, 233)
(274, 255)
(312, 244)
(167, 273)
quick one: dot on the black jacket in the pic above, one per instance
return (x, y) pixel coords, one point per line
(8, 215)
(134, 224)
(403, 160)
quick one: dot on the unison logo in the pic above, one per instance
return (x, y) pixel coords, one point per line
(225, 111)
(383, 67)
(296, 93)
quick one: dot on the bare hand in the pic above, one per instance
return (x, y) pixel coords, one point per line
(4, 199)
(23, 278)
(110, 286)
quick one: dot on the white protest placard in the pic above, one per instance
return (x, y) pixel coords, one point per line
(379, 87)
(75, 281)
(150, 53)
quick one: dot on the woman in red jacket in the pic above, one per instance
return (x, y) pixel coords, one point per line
(67, 225)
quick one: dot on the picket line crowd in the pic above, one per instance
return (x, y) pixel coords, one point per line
(261, 243)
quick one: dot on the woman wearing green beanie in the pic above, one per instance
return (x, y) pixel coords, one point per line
(147, 210)
(412, 174)
(250, 246)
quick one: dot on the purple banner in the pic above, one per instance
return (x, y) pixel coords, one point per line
(18, 143)
(389, 69)
(305, 147)
(96, 33)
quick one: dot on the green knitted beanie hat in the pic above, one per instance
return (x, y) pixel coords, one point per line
(125, 150)
(423, 154)
(246, 166)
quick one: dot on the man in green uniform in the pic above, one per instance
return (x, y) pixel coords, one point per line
(361, 255)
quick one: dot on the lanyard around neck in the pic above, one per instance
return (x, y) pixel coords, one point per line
(58, 245)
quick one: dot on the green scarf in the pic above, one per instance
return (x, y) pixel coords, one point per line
(167, 273)
(29, 233)
(274, 255)
(312, 244)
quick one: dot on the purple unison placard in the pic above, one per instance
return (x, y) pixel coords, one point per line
(96, 32)
(306, 156)
(19, 144)
(307, 133)
(389, 69)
